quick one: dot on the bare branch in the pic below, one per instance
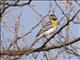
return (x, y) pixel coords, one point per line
(22, 52)
(10, 5)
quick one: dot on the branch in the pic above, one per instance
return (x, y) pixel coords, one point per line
(23, 52)
(10, 5)
(15, 4)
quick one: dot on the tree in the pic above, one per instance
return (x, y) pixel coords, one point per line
(22, 20)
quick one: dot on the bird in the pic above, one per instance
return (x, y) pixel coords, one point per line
(48, 29)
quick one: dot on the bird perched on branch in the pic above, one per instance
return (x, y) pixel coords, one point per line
(49, 28)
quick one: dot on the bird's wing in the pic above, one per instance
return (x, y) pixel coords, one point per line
(45, 28)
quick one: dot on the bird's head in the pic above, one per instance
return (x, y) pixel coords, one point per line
(52, 17)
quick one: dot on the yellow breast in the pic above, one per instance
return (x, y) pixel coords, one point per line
(55, 22)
